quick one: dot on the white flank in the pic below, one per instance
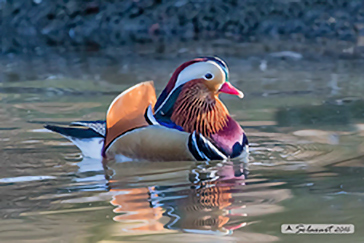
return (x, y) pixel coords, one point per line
(90, 147)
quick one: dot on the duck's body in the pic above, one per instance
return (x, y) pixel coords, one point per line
(186, 122)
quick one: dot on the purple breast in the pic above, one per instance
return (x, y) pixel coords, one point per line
(230, 139)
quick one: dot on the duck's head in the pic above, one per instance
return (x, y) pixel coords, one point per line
(212, 72)
(193, 91)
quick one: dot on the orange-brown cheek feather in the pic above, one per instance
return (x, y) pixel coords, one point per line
(197, 109)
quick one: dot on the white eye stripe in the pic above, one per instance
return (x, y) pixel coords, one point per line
(191, 72)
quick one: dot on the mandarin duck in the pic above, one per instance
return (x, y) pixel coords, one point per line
(187, 122)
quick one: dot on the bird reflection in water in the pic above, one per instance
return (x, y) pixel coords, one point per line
(202, 203)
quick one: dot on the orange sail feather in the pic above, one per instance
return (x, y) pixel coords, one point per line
(127, 111)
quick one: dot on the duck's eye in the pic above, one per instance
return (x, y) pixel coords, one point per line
(209, 76)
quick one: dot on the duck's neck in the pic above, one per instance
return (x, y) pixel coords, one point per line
(197, 109)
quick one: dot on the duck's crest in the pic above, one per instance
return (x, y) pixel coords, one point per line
(172, 81)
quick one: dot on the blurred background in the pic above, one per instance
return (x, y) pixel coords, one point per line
(96, 33)
(299, 62)
(166, 26)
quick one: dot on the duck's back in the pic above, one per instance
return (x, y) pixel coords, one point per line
(131, 132)
(127, 111)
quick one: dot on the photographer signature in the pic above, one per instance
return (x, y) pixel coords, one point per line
(317, 229)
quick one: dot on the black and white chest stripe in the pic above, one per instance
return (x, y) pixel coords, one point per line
(202, 149)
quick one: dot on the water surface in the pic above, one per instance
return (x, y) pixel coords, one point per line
(304, 120)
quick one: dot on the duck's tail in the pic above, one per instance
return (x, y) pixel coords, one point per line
(86, 138)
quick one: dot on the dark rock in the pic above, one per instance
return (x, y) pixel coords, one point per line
(68, 23)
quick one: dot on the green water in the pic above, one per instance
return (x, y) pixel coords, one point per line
(305, 124)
